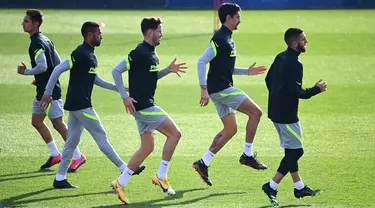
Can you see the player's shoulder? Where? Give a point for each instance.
(140, 50)
(219, 35)
(40, 39)
(79, 52)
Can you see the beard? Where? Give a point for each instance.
(301, 48)
(96, 42)
(157, 41)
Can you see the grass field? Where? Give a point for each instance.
(338, 125)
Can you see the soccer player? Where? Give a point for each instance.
(82, 64)
(221, 54)
(44, 58)
(142, 65)
(284, 83)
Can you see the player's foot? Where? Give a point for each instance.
(306, 191)
(139, 170)
(76, 164)
(252, 162)
(164, 184)
(51, 161)
(202, 169)
(270, 193)
(120, 191)
(63, 184)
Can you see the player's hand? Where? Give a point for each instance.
(176, 68)
(45, 101)
(322, 85)
(255, 70)
(21, 68)
(205, 99)
(128, 102)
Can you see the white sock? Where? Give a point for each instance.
(60, 177)
(125, 176)
(299, 185)
(123, 167)
(207, 157)
(77, 154)
(274, 185)
(53, 151)
(248, 149)
(163, 169)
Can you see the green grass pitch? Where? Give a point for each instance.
(338, 125)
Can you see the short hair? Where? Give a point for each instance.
(87, 27)
(35, 15)
(150, 23)
(228, 9)
(292, 34)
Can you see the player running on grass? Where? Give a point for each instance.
(44, 58)
(142, 65)
(82, 64)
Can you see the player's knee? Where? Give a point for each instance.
(148, 148)
(283, 167)
(299, 153)
(177, 134)
(58, 124)
(231, 130)
(256, 113)
(36, 124)
(104, 145)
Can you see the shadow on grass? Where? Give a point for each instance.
(288, 206)
(26, 175)
(167, 199)
(20, 201)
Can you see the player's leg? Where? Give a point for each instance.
(300, 189)
(147, 146)
(55, 113)
(37, 120)
(270, 188)
(254, 113)
(74, 133)
(230, 129)
(229, 121)
(173, 134)
(91, 122)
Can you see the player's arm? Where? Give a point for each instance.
(206, 57)
(164, 72)
(104, 84)
(120, 68)
(57, 71)
(56, 57)
(117, 71)
(41, 64)
(251, 71)
(295, 83)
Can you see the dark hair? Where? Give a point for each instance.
(292, 34)
(228, 9)
(87, 27)
(150, 23)
(35, 15)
